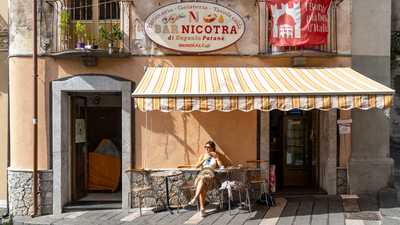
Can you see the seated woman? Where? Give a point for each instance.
(205, 180)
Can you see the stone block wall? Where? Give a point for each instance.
(20, 192)
(138, 180)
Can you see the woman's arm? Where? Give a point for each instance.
(200, 161)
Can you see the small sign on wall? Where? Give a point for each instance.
(80, 131)
(344, 126)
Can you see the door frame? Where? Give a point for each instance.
(61, 151)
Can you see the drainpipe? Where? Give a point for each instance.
(35, 111)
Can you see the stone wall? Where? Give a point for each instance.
(20, 192)
(139, 179)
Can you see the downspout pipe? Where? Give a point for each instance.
(35, 112)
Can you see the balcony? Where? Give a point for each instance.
(106, 28)
(87, 28)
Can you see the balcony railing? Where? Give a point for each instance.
(95, 27)
(92, 31)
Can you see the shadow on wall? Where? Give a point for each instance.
(166, 140)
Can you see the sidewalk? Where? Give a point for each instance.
(305, 210)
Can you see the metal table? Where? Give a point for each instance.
(166, 175)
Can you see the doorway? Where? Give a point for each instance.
(62, 92)
(294, 150)
(95, 150)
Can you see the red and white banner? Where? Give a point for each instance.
(298, 22)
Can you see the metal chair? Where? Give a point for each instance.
(261, 177)
(238, 184)
(186, 186)
(142, 191)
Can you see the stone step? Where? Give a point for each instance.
(84, 206)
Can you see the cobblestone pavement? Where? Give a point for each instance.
(306, 210)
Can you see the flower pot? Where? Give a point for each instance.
(80, 45)
(110, 48)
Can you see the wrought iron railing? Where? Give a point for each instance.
(93, 25)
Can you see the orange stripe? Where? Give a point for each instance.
(156, 103)
(203, 104)
(357, 101)
(281, 102)
(202, 81)
(311, 102)
(214, 81)
(234, 103)
(218, 103)
(270, 81)
(326, 102)
(255, 80)
(342, 102)
(371, 101)
(228, 81)
(161, 80)
(249, 103)
(174, 82)
(187, 104)
(171, 104)
(188, 80)
(140, 104)
(387, 101)
(242, 81)
(296, 102)
(146, 80)
(265, 104)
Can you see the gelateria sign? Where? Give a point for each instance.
(194, 27)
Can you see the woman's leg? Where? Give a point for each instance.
(202, 198)
(199, 187)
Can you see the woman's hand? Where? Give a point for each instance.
(213, 154)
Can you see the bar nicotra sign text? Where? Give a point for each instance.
(194, 27)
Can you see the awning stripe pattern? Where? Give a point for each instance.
(258, 88)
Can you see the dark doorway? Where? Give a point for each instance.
(95, 150)
(293, 149)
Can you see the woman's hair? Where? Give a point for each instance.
(212, 145)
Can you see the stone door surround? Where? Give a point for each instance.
(61, 135)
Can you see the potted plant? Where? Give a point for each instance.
(65, 22)
(80, 30)
(117, 34)
(111, 36)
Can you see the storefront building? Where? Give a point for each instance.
(191, 72)
(3, 105)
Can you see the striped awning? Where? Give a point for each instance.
(257, 88)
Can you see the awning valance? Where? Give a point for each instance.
(257, 88)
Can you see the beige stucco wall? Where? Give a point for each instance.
(183, 147)
(3, 124)
(3, 106)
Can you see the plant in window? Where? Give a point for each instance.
(111, 36)
(80, 30)
(65, 22)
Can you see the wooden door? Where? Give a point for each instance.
(297, 152)
(79, 153)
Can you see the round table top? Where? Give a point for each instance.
(170, 173)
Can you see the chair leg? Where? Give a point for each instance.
(229, 204)
(248, 199)
(140, 205)
(240, 198)
(265, 193)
